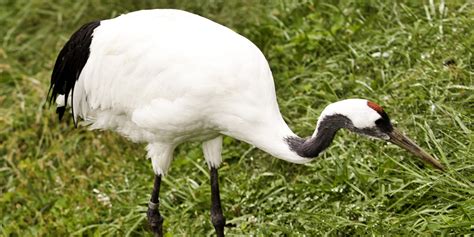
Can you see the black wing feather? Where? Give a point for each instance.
(69, 64)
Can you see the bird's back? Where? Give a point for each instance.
(173, 75)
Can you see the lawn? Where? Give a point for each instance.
(415, 58)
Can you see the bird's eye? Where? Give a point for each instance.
(384, 125)
(379, 121)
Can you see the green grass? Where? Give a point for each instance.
(319, 53)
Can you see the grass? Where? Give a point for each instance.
(413, 57)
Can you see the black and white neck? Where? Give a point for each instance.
(327, 128)
(356, 115)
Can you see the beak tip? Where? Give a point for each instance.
(440, 167)
(401, 140)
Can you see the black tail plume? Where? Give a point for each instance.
(69, 64)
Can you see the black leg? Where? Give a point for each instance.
(154, 218)
(217, 217)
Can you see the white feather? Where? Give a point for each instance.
(212, 152)
(60, 100)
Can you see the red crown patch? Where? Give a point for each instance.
(375, 106)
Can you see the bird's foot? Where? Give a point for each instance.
(155, 220)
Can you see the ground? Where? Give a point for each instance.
(412, 57)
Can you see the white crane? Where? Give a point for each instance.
(165, 77)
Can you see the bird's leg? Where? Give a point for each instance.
(217, 217)
(154, 218)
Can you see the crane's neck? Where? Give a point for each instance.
(277, 139)
(326, 129)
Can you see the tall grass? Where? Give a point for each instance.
(413, 57)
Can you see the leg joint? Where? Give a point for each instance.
(153, 205)
(217, 219)
(154, 218)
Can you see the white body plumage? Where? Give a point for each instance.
(168, 76)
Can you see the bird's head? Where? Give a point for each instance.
(366, 118)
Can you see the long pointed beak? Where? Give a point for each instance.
(397, 138)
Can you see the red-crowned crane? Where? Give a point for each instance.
(165, 77)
